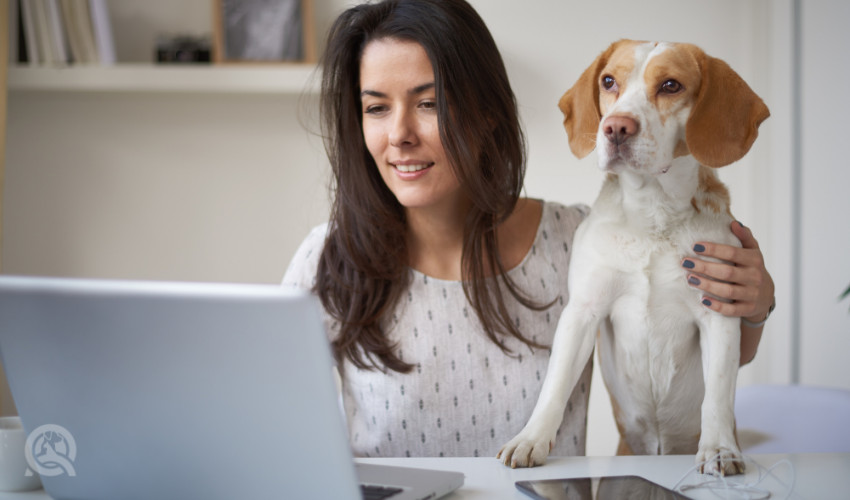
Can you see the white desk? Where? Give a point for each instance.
(818, 476)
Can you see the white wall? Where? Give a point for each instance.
(175, 186)
(222, 188)
(825, 180)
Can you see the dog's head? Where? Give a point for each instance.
(643, 104)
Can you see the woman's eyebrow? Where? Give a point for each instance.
(414, 91)
(421, 88)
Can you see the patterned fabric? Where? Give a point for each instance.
(465, 397)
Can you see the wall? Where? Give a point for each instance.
(223, 188)
(6, 403)
(174, 186)
(824, 179)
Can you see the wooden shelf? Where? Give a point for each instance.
(260, 79)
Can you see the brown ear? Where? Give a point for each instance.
(580, 106)
(726, 115)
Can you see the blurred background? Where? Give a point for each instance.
(220, 178)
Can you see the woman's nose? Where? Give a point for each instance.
(402, 132)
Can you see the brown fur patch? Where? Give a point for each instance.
(726, 114)
(620, 65)
(677, 64)
(713, 194)
(681, 149)
(623, 448)
(580, 104)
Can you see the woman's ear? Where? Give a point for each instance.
(726, 114)
(580, 106)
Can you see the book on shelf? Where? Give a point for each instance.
(62, 32)
(41, 31)
(56, 32)
(13, 23)
(102, 31)
(26, 33)
(80, 31)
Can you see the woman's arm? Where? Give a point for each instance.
(742, 282)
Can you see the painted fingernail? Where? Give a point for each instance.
(706, 302)
(699, 248)
(688, 264)
(693, 280)
(740, 224)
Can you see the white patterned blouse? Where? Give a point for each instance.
(465, 397)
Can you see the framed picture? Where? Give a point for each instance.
(272, 31)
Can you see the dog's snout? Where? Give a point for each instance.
(618, 129)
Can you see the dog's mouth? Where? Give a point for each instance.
(616, 158)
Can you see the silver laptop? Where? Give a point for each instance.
(175, 390)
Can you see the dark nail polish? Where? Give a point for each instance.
(739, 223)
(706, 302)
(693, 280)
(699, 248)
(688, 264)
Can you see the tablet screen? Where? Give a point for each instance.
(597, 488)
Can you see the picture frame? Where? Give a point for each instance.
(263, 31)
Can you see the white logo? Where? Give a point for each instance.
(51, 451)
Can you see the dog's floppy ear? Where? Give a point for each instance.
(726, 115)
(580, 106)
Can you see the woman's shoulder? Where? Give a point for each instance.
(301, 272)
(550, 256)
(562, 218)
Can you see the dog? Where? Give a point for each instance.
(662, 117)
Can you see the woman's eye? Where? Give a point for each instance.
(608, 82)
(428, 104)
(374, 109)
(671, 87)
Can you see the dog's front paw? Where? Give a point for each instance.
(720, 460)
(527, 449)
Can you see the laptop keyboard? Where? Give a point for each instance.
(376, 492)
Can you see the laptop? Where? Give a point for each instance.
(178, 390)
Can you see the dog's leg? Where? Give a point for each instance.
(720, 342)
(571, 349)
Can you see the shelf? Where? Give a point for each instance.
(260, 79)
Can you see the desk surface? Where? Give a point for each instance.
(814, 476)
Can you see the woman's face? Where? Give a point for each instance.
(400, 125)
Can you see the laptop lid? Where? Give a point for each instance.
(174, 390)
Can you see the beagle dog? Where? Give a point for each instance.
(662, 116)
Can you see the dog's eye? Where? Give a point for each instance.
(608, 82)
(671, 87)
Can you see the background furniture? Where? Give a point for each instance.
(792, 419)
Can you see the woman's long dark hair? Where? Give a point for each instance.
(363, 269)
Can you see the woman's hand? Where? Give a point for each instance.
(739, 286)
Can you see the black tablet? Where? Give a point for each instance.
(597, 488)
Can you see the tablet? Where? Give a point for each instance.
(596, 488)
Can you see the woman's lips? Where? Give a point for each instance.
(411, 170)
(412, 167)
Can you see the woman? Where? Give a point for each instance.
(442, 287)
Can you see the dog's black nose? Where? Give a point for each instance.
(618, 129)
